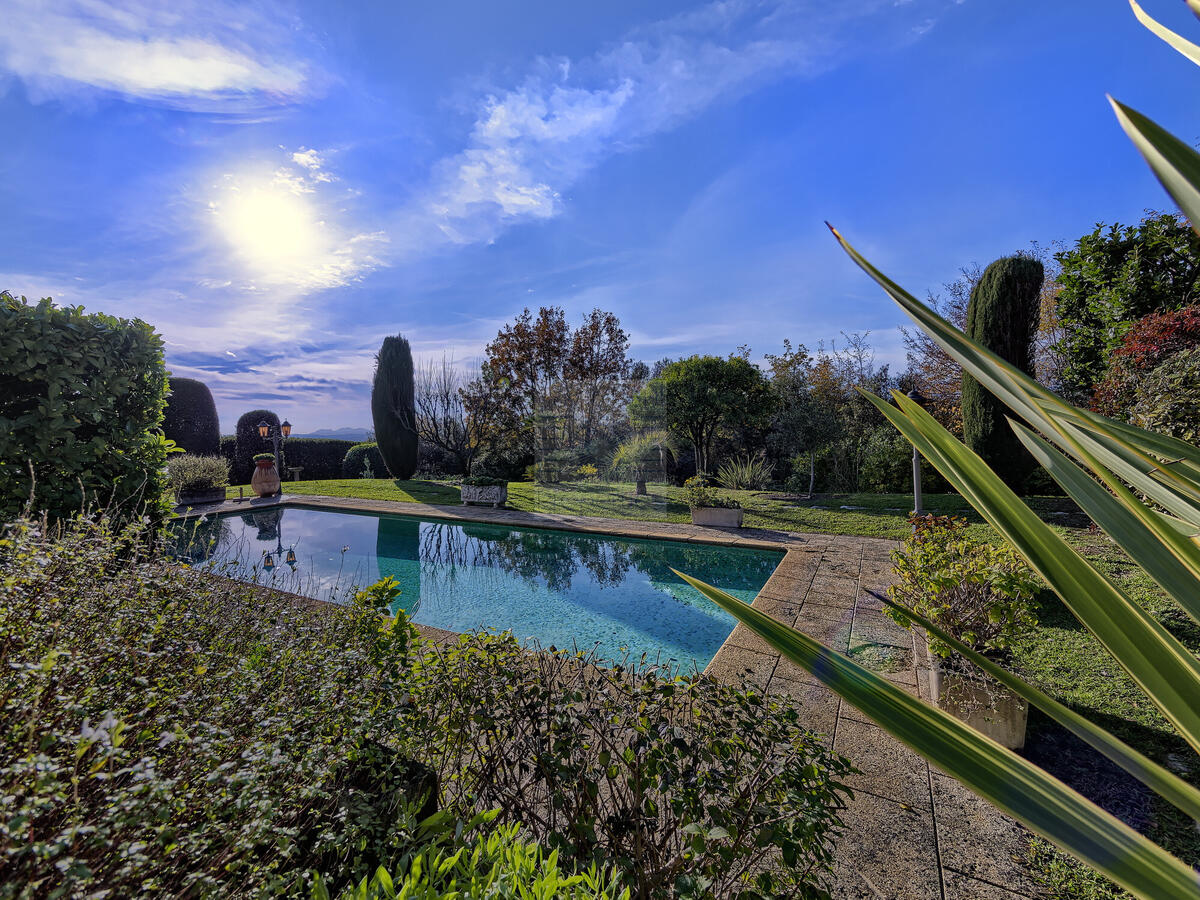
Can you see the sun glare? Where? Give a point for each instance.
(272, 228)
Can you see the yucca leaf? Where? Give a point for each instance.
(1176, 165)
(1139, 531)
(1184, 46)
(1194, 6)
(1162, 781)
(1019, 788)
(1154, 658)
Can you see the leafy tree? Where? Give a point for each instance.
(1002, 316)
(699, 396)
(190, 419)
(1110, 279)
(598, 366)
(392, 407)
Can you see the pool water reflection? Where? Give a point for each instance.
(560, 588)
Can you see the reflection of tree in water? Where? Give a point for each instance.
(195, 540)
(733, 570)
(546, 556)
(398, 555)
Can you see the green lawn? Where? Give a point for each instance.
(873, 515)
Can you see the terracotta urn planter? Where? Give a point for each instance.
(492, 494)
(717, 516)
(265, 481)
(988, 707)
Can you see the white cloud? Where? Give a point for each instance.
(209, 55)
(531, 143)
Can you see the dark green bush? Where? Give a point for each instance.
(321, 457)
(688, 787)
(174, 733)
(359, 457)
(483, 481)
(190, 419)
(248, 442)
(81, 402)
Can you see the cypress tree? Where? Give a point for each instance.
(392, 407)
(1002, 315)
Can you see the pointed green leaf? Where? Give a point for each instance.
(1154, 658)
(1186, 47)
(1019, 788)
(1164, 782)
(1176, 165)
(1166, 555)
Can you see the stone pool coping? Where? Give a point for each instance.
(912, 832)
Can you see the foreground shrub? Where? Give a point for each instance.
(980, 593)
(189, 473)
(168, 732)
(502, 863)
(190, 419)
(688, 787)
(81, 404)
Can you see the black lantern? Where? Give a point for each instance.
(291, 557)
(264, 430)
(286, 428)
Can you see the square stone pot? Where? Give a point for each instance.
(988, 707)
(491, 494)
(717, 517)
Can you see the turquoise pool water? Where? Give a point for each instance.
(560, 588)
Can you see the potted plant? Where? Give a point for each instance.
(197, 479)
(484, 489)
(709, 507)
(980, 594)
(265, 480)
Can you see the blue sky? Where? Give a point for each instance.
(276, 186)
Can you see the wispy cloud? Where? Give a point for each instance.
(190, 54)
(531, 143)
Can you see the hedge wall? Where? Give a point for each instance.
(320, 457)
(81, 399)
(190, 419)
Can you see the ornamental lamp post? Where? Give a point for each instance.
(276, 434)
(916, 397)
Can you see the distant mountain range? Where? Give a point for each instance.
(342, 434)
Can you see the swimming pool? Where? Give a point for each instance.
(560, 588)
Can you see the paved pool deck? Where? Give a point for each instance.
(912, 833)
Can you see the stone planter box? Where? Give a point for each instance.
(491, 494)
(717, 517)
(989, 708)
(196, 498)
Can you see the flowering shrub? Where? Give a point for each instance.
(979, 593)
(1147, 344)
(190, 473)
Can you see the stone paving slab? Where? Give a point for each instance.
(912, 833)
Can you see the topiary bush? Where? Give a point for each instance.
(190, 419)
(362, 456)
(393, 407)
(81, 404)
(248, 442)
(1002, 315)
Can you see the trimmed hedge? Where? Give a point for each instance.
(352, 463)
(81, 401)
(320, 457)
(190, 419)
